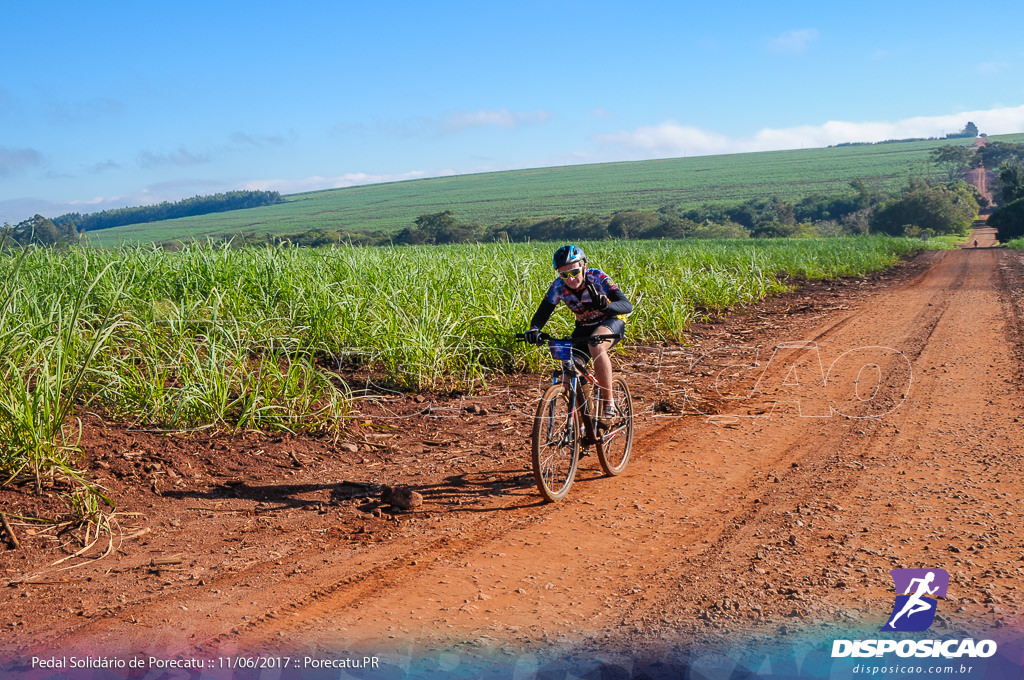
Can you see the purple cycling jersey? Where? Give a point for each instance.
(579, 302)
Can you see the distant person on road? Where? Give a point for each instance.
(975, 243)
(600, 308)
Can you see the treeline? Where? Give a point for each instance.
(969, 131)
(1008, 218)
(921, 209)
(996, 154)
(189, 207)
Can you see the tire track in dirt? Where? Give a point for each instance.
(353, 589)
(156, 623)
(826, 467)
(870, 503)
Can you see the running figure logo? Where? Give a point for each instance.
(914, 610)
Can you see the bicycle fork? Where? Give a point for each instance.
(581, 408)
(585, 413)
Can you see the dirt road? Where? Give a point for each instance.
(981, 237)
(798, 452)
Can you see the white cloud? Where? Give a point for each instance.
(182, 156)
(601, 113)
(16, 210)
(183, 184)
(992, 68)
(451, 122)
(246, 139)
(16, 161)
(671, 139)
(90, 203)
(19, 209)
(101, 167)
(456, 121)
(65, 112)
(793, 42)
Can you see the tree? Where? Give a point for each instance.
(948, 209)
(1008, 220)
(1011, 176)
(954, 159)
(633, 223)
(38, 229)
(994, 154)
(670, 226)
(440, 228)
(412, 237)
(857, 222)
(865, 198)
(970, 130)
(438, 225)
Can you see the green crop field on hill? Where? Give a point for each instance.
(500, 197)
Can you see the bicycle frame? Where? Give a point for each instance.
(565, 424)
(577, 374)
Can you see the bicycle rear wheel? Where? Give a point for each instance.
(614, 446)
(556, 444)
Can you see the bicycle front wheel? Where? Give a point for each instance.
(614, 446)
(556, 444)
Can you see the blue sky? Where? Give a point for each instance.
(111, 104)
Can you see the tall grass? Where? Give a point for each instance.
(251, 338)
(209, 317)
(42, 370)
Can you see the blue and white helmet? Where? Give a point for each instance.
(568, 254)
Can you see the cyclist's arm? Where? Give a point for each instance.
(617, 302)
(543, 313)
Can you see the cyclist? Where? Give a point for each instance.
(600, 308)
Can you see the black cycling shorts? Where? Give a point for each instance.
(580, 334)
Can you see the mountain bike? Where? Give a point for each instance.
(566, 424)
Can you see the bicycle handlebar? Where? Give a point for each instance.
(592, 340)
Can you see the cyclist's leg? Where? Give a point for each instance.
(603, 368)
(583, 348)
(602, 358)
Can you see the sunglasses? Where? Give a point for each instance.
(571, 273)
